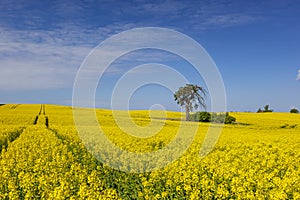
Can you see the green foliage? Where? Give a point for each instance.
(229, 119)
(294, 110)
(201, 117)
(218, 118)
(214, 117)
(266, 109)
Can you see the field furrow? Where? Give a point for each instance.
(8, 134)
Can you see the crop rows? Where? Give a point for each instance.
(8, 134)
(258, 158)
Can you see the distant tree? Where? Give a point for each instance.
(266, 108)
(191, 97)
(294, 110)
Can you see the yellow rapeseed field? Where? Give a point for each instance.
(43, 157)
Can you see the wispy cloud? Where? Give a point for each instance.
(42, 46)
(197, 15)
(31, 60)
(31, 76)
(227, 20)
(43, 59)
(30, 66)
(298, 77)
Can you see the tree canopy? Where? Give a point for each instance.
(191, 97)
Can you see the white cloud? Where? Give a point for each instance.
(227, 20)
(40, 59)
(40, 72)
(298, 77)
(31, 58)
(20, 75)
(27, 65)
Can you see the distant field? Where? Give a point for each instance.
(42, 157)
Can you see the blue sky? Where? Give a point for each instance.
(255, 45)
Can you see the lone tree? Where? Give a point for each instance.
(192, 97)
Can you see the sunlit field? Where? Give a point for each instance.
(43, 157)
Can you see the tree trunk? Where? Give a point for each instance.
(187, 114)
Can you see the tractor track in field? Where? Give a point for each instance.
(16, 134)
(43, 113)
(11, 138)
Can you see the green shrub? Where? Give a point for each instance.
(201, 117)
(294, 110)
(229, 119)
(218, 118)
(266, 109)
(214, 117)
